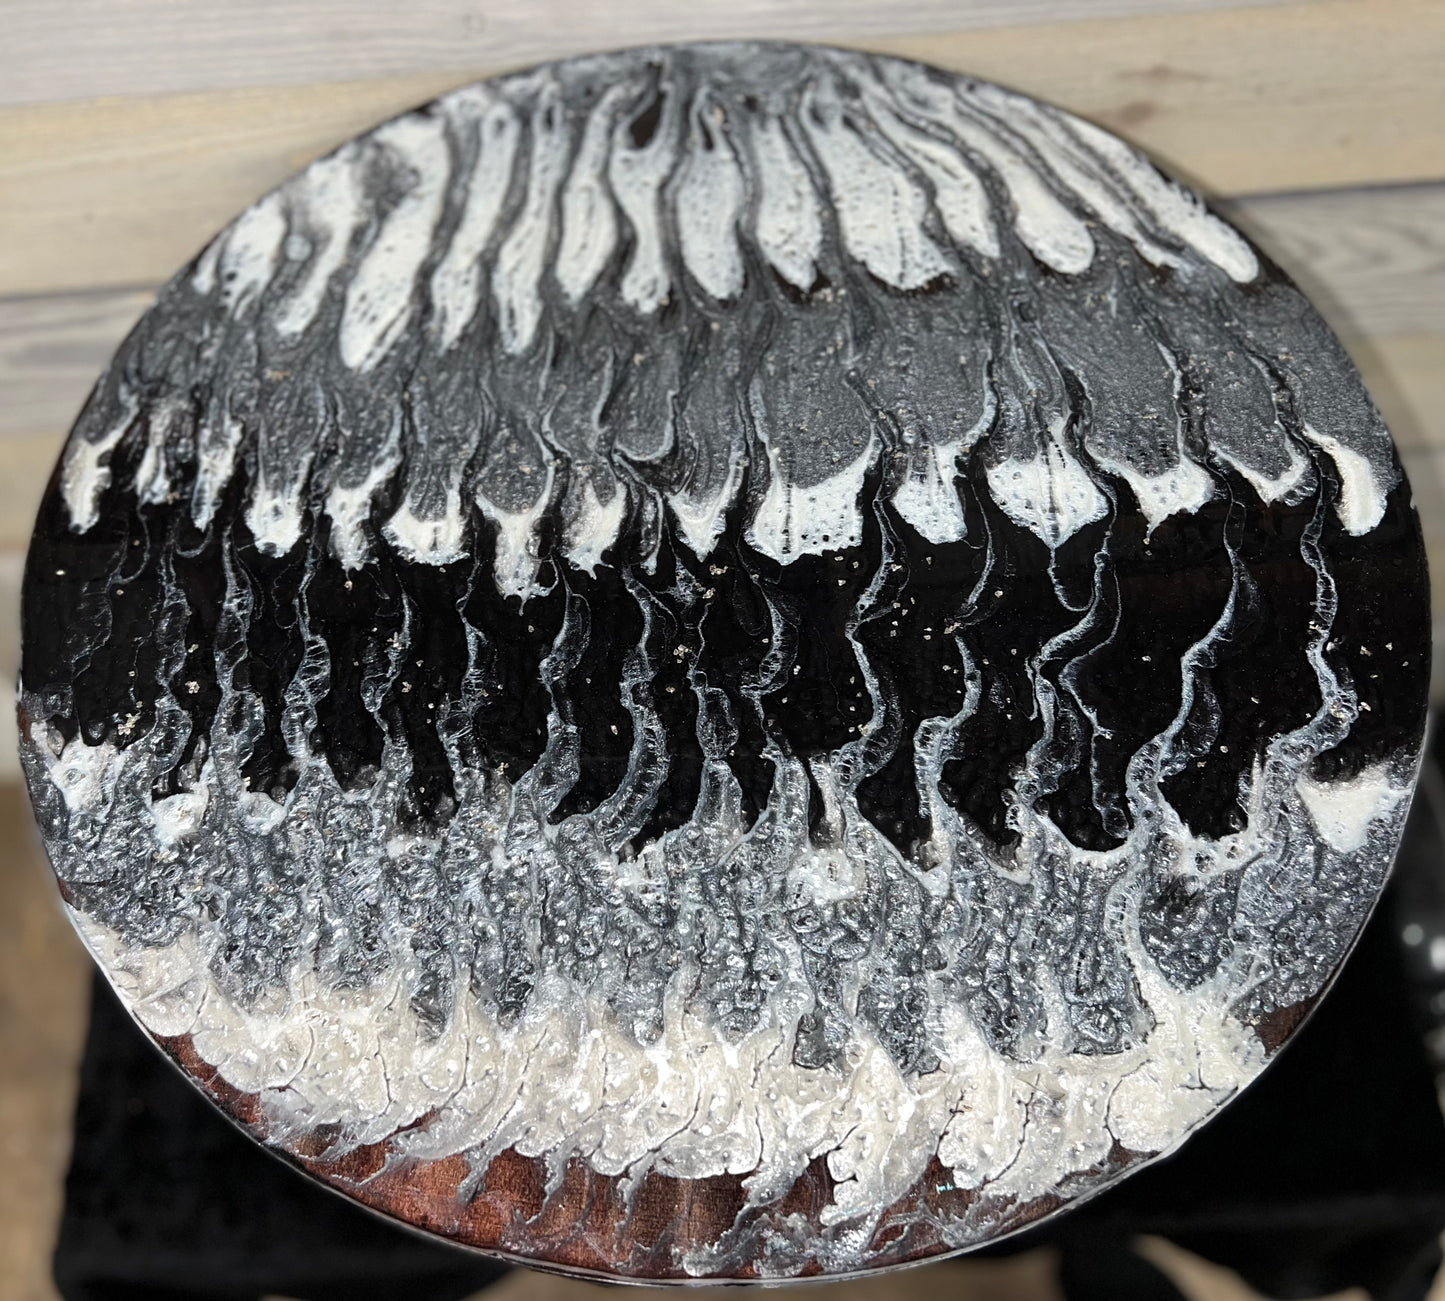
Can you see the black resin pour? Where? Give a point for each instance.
(770, 602)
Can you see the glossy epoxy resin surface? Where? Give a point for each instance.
(725, 661)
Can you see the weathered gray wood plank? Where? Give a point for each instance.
(1373, 260)
(51, 350)
(69, 49)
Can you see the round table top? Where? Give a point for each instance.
(725, 661)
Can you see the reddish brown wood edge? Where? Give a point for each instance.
(587, 1224)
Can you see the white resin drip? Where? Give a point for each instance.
(429, 541)
(1180, 490)
(248, 259)
(589, 217)
(958, 194)
(637, 177)
(1177, 210)
(709, 202)
(788, 227)
(595, 527)
(793, 521)
(1051, 495)
(701, 520)
(514, 570)
(327, 202)
(1047, 228)
(274, 514)
(203, 278)
(517, 277)
(1343, 812)
(178, 817)
(1270, 489)
(880, 210)
(456, 289)
(85, 472)
(1362, 496)
(379, 298)
(83, 774)
(928, 498)
(152, 480)
(1070, 164)
(216, 446)
(348, 504)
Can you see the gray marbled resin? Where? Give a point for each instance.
(705, 608)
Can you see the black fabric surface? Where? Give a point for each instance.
(1328, 1173)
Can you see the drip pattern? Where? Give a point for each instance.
(727, 613)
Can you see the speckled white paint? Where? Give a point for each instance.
(710, 198)
(1345, 812)
(1361, 505)
(327, 202)
(517, 277)
(1050, 494)
(379, 299)
(880, 209)
(793, 521)
(456, 289)
(789, 229)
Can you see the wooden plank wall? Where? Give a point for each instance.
(130, 130)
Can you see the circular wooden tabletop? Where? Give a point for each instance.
(725, 662)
